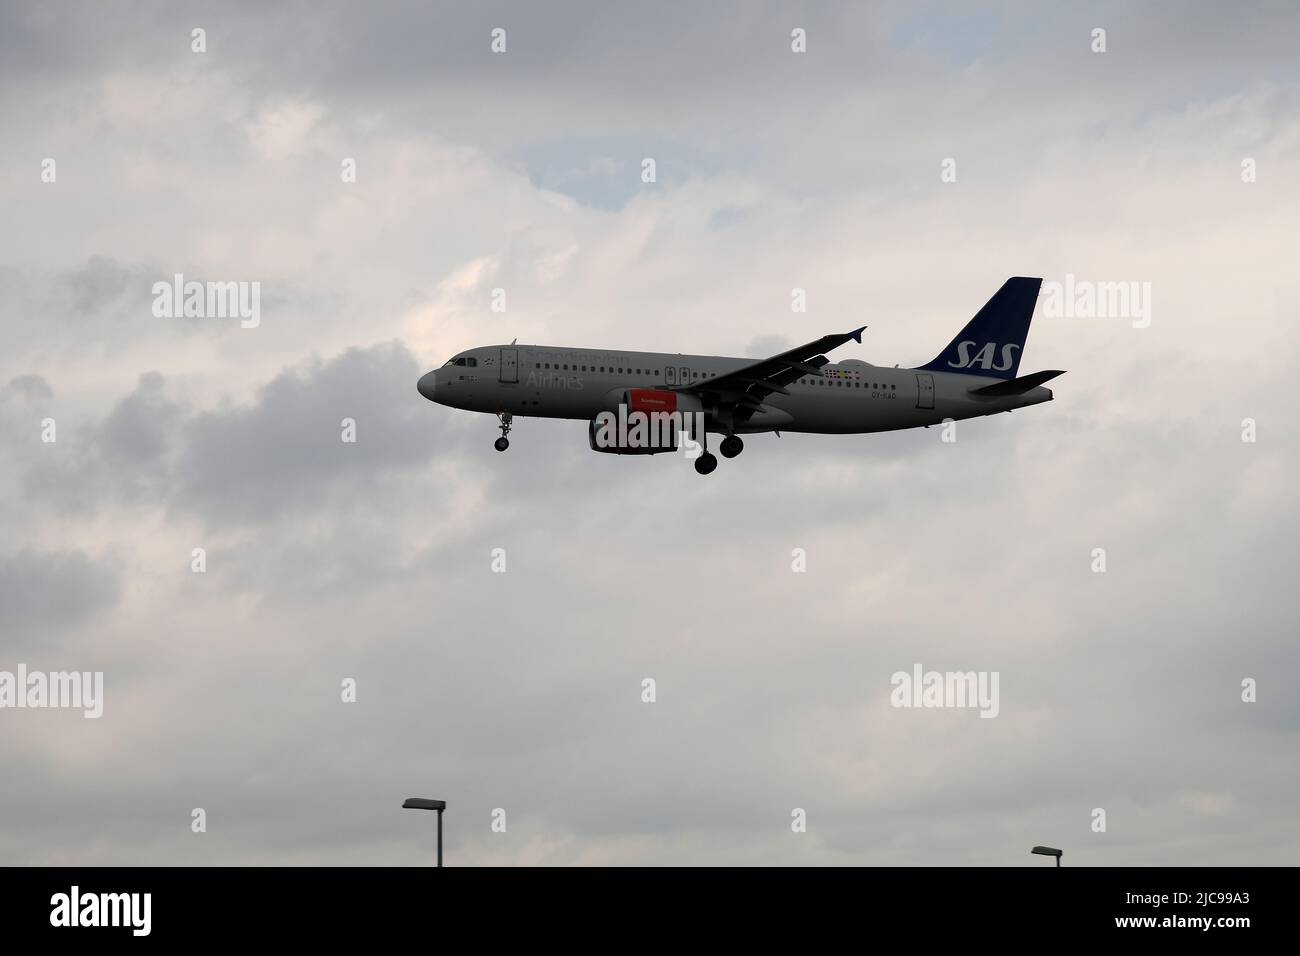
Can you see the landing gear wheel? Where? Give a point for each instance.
(731, 446)
(706, 463)
(503, 442)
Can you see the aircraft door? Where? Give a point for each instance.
(670, 376)
(925, 391)
(510, 365)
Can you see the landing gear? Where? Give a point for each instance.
(502, 443)
(731, 446)
(706, 462)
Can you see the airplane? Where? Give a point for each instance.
(799, 390)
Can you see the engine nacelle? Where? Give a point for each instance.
(651, 400)
(644, 421)
(598, 437)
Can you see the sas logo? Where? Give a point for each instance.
(984, 357)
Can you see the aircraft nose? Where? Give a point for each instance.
(427, 383)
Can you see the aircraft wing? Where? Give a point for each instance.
(745, 388)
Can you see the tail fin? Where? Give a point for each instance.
(992, 342)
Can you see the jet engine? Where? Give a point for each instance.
(644, 421)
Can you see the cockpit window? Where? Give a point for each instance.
(463, 362)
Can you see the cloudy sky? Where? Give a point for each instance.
(372, 561)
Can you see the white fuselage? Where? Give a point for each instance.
(846, 397)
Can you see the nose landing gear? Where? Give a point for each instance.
(502, 443)
(731, 446)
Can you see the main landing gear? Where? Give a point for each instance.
(731, 446)
(502, 443)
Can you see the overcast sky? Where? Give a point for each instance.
(372, 561)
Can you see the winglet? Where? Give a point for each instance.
(856, 335)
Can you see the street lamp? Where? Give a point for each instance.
(1048, 851)
(420, 803)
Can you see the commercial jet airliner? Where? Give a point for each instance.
(800, 390)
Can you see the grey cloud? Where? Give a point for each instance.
(122, 459)
(100, 307)
(53, 590)
(30, 387)
(270, 459)
(285, 452)
(137, 431)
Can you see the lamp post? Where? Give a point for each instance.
(421, 803)
(1048, 851)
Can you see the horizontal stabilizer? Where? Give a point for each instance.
(1016, 386)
